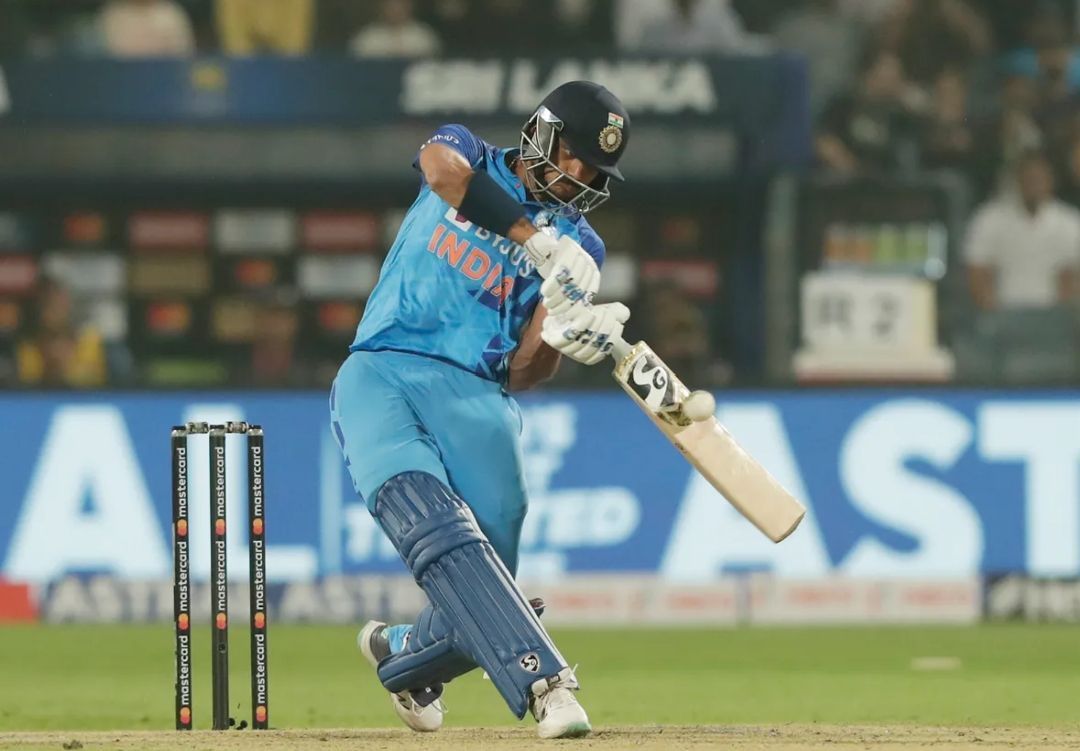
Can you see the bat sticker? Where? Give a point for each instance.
(651, 381)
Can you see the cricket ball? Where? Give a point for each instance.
(699, 406)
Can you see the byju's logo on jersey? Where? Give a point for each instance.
(491, 242)
(481, 256)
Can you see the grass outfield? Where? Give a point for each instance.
(68, 678)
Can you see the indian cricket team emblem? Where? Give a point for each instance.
(611, 136)
(531, 662)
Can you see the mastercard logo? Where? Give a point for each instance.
(219, 527)
(181, 528)
(257, 526)
(260, 620)
(183, 622)
(222, 620)
(260, 713)
(185, 715)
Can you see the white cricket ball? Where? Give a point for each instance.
(699, 406)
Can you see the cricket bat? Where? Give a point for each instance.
(689, 422)
(705, 443)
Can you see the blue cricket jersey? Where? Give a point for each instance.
(457, 292)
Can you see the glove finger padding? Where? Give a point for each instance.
(570, 286)
(606, 325)
(574, 278)
(551, 332)
(586, 333)
(618, 311)
(566, 334)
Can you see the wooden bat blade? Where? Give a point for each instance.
(708, 446)
(740, 479)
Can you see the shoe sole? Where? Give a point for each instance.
(403, 715)
(575, 730)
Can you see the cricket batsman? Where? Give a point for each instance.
(422, 409)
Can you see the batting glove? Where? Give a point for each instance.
(587, 333)
(571, 276)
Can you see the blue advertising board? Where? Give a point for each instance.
(904, 484)
(762, 100)
(756, 92)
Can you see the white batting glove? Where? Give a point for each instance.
(571, 276)
(586, 333)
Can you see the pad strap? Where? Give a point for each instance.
(429, 657)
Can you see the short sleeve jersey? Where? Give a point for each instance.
(457, 292)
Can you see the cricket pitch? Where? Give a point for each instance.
(643, 738)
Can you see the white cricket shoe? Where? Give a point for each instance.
(556, 709)
(423, 718)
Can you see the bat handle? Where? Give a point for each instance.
(620, 348)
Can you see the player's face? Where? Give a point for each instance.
(572, 166)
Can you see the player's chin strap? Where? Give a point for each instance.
(539, 141)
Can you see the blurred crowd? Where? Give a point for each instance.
(985, 89)
(382, 28)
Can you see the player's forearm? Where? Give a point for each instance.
(531, 368)
(452, 179)
(447, 172)
(534, 361)
(522, 230)
(539, 366)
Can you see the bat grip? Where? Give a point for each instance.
(620, 348)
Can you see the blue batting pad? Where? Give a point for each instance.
(428, 658)
(490, 620)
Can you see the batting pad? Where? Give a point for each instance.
(490, 620)
(430, 656)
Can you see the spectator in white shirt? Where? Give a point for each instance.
(1023, 250)
(146, 28)
(396, 33)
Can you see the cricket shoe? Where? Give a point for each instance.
(421, 710)
(556, 709)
